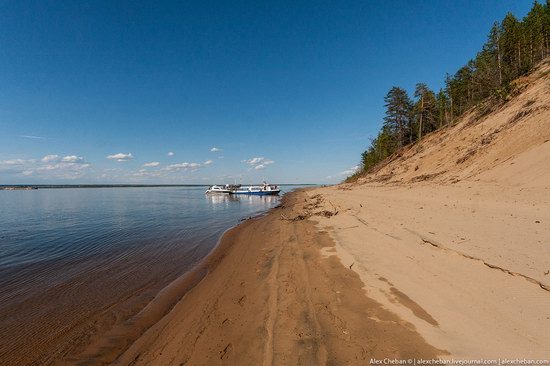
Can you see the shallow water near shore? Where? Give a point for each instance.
(75, 262)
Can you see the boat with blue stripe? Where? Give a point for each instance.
(263, 190)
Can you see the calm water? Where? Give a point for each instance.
(70, 255)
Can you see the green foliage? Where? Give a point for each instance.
(512, 49)
(380, 148)
(398, 112)
(424, 112)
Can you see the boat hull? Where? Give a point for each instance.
(258, 193)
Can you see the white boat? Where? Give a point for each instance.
(218, 190)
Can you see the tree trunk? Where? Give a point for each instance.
(519, 59)
(451, 109)
(499, 64)
(421, 113)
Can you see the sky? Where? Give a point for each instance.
(207, 92)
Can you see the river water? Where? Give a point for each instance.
(76, 261)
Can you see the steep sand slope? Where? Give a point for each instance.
(460, 226)
(477, 144)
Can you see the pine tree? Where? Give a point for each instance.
(398, 110)
(534, 29)
(494, 48)
(442, 108)
(424, 109)
(512, 43)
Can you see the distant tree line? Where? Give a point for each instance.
(512, 49)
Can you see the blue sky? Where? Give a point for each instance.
(287, 91)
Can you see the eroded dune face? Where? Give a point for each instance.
(508, 144)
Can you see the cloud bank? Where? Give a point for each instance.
(51, 166)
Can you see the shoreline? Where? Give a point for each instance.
(107, 347)
(269, 297)
(73, 332)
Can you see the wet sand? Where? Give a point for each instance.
(275, 294)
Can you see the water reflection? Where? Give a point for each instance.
(256, 203)
(218, 199)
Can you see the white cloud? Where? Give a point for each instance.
(176, 167)
(13, 162)
(49, 167)
(152, 164)
(185, 166)
(71, 159)
(253, 161)
(259, 163)
(66, 159)
(215, 149)
(170, 153)
(34, 137)
(208, 162)
(121, 157)
(349, 171)
(50, 158)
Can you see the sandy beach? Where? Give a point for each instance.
(475, 259)
(276, 293)
(336, 276)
